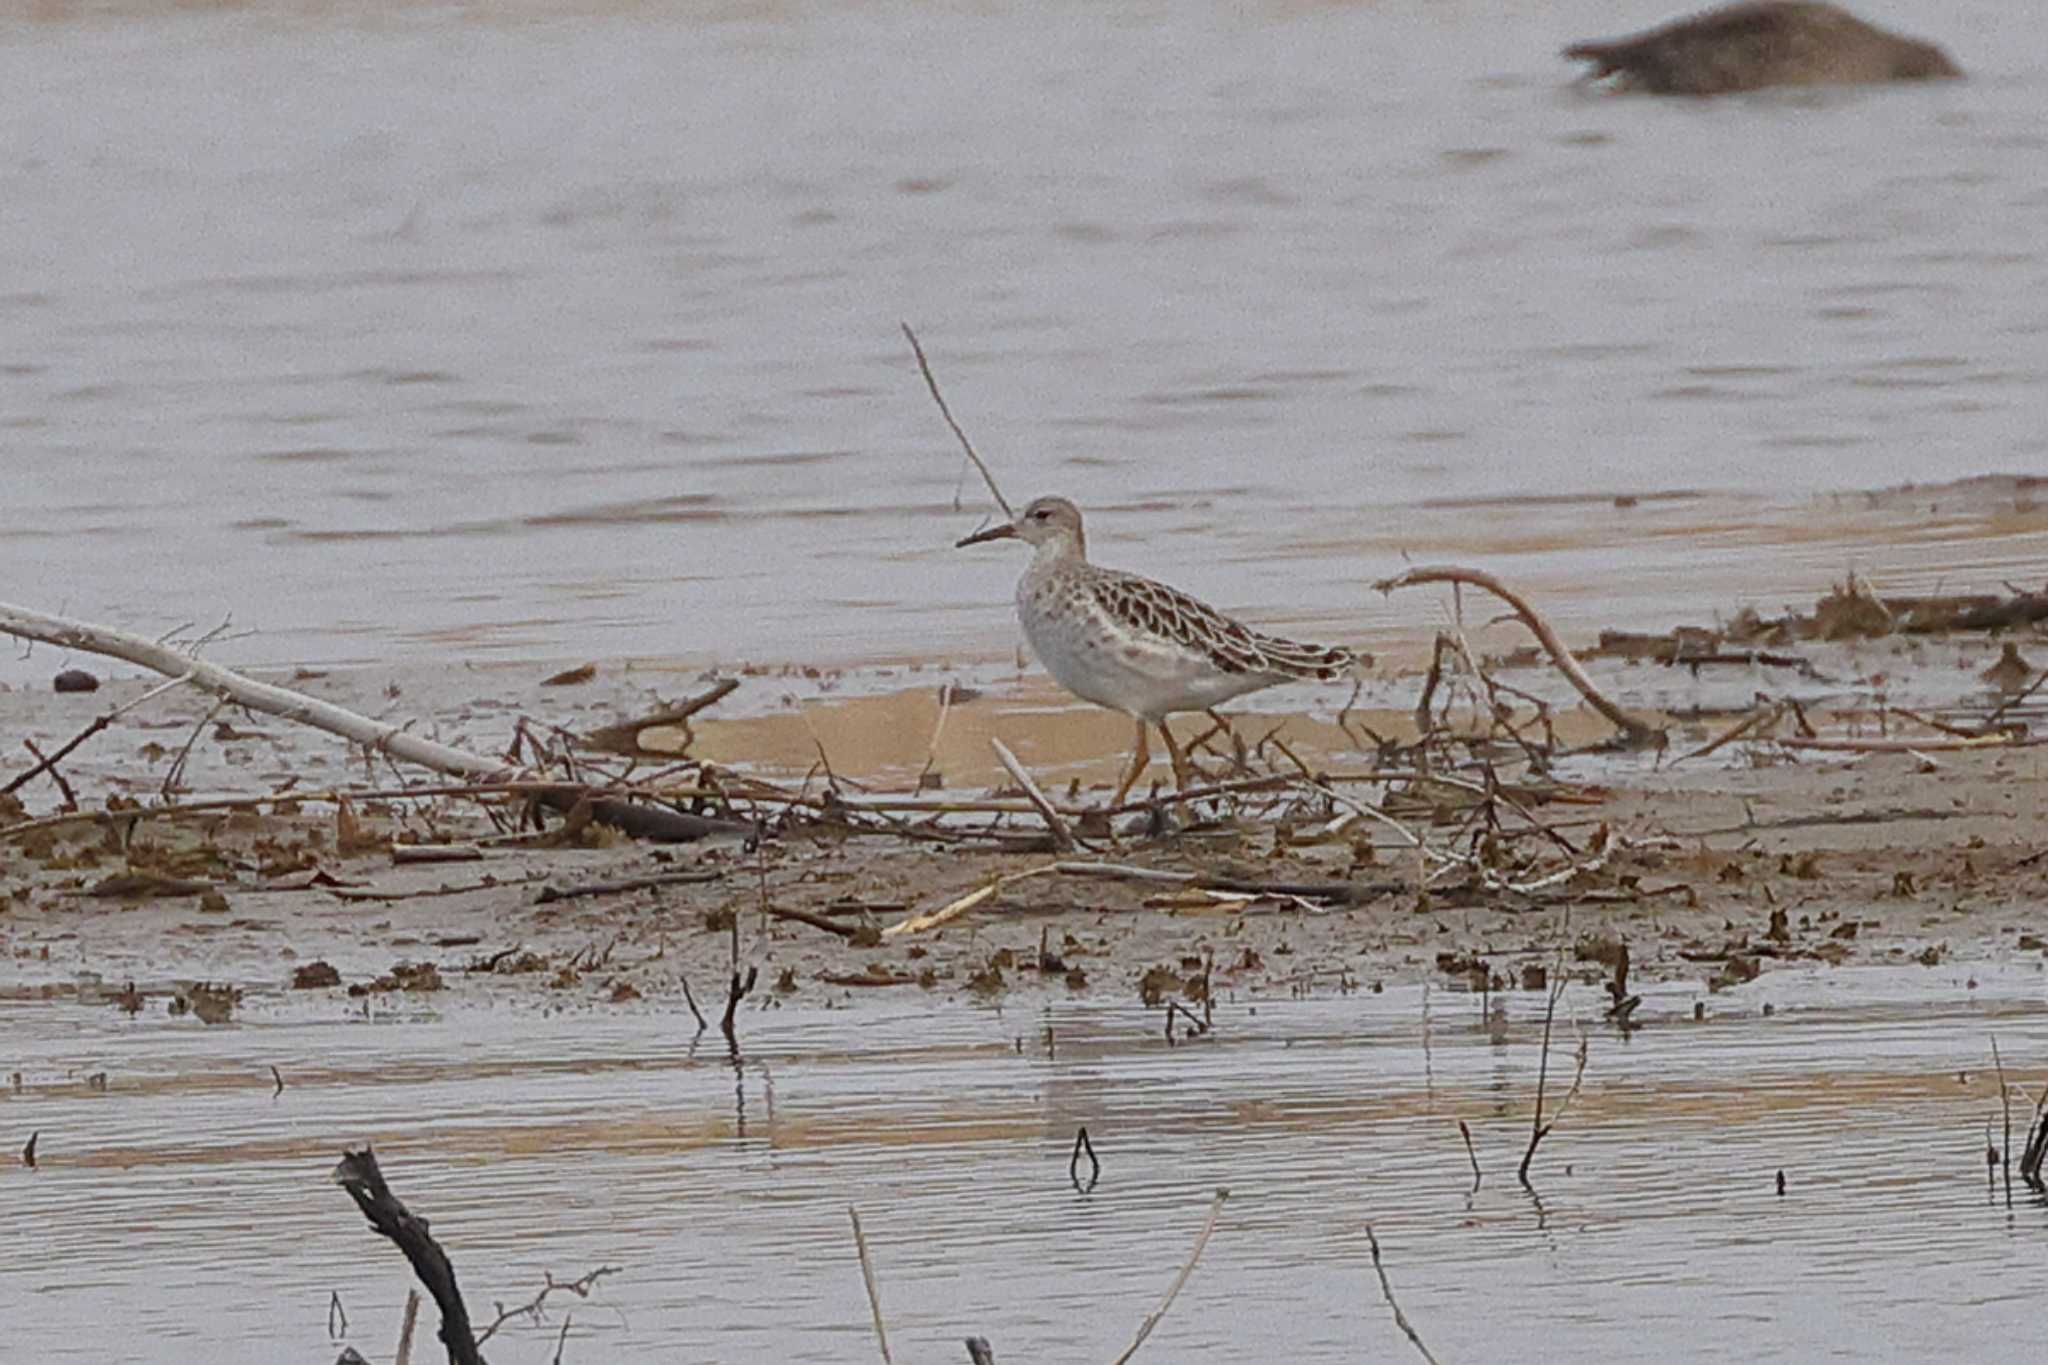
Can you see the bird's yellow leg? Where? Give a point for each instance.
(1183, 774)
(1140, 756)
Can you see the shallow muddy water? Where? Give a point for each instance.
(569, 329)
(184, 1214)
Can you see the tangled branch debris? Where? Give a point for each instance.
(1635, 732)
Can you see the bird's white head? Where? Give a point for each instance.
(1053, 525)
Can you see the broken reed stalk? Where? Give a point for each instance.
(406, 1326)
(1062, 837)
(931, 750)
(925, 368)
(1634, 731)
(867, 1273)
(1471, 1154)
(357, 1173)
(1400, 1318)
(1153, 1318)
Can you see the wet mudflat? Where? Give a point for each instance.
(184, 1214)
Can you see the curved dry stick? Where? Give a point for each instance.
(1634, 731)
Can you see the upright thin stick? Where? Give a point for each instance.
(1538, 1129)
(1400, 1318)
(867, 1272)
(1152, 1319)
(1473, 1155)
(406, 1326)
(2004, 1104)
(924, 366)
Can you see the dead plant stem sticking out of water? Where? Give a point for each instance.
(1387, 1288)
(867, 1274)
(1538, 1129)
(2005, 1107)
(1153, 1318)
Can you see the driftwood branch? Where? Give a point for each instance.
(377, 736)
(358, 1174)
(1636, 732)
(624, 736)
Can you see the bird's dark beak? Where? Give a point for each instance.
(1002, 530)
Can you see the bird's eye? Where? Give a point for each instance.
(1040, 515)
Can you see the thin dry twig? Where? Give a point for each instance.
(1153, 1319)
(531, 1309)
(1400, 1318)
(925, 368)
(1062, 837)
(98, 724)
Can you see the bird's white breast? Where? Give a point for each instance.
(1101, 660)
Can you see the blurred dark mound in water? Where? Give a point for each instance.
(1762, 43)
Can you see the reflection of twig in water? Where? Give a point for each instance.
(1400, 1318)
(1152, 1319)
(867, 1273)
(1196, 1027)
(1082, 1144)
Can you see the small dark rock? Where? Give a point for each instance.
(314, 975)
(76, 680)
